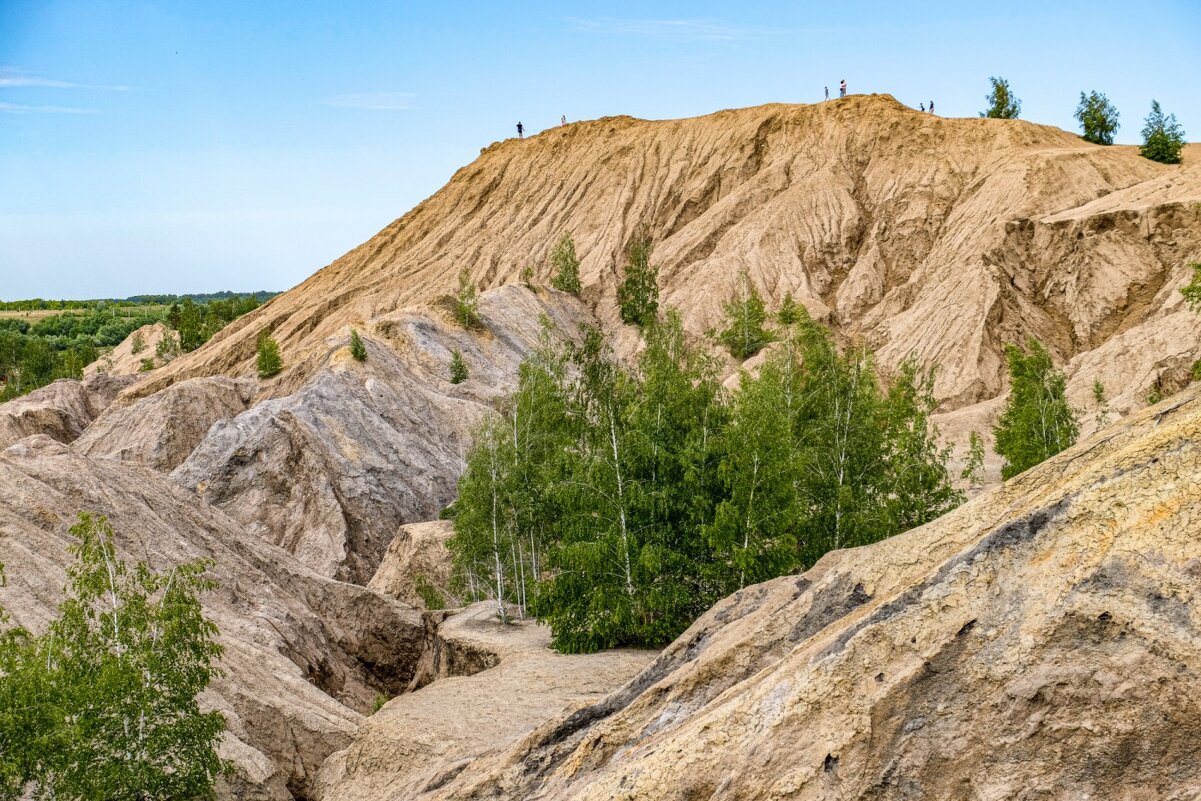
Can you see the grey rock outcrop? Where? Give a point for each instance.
(329, 471)
(61, 410)
(160, 430)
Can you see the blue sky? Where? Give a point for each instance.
(199, 146)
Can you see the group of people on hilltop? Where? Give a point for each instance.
(842, 92)
(521, 128)
(842, 89)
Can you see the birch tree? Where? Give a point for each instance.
(1037, 421)
(103, 705)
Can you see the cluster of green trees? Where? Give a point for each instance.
(32, 354)
(1163, 136)
(618, 504)
(35, 352)
(102, 705)
(125, 305)
(196, 323)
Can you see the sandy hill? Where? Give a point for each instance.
(944, 237)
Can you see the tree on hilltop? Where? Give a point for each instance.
(1163, 138)
(1003, 104)
(1098, 118)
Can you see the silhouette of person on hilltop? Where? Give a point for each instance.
(520, 131)
(563, 120)
(922, 106)
(842, 88)
(931, 106)
(827, 93)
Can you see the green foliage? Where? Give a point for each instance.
(1163, 137)
(789, 313)
(269, 362)
(458, 367)
(638, 294)
(527, 278)
(1002, 103)
(618, 504)
(103, 705)
(745, 334)
(973, 465)
(1192, 292)
(1098, 118)
(466, 303)
(566, 266)
(34, 353)
(127, 306)
(1155, 391)
(168, 347)
(146, 365)
(357, 349)
(430, 595)
(1102, 404)
(1037, 421)
(137, 344)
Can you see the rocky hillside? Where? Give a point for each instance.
(1039, 626)
(1042, 641)
(944, 237)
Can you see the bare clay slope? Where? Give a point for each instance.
(1043, 641)
(947, 237)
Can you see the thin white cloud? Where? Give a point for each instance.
(17, 108)
(373, 101)
(680, 30)
(13, 78)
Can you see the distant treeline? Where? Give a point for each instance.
(40, 304)
(35, 352)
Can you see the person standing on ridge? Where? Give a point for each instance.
(842, 88)
(520, 130)
(827, 93)
(922, 106)
(563, 120)
(931, 106)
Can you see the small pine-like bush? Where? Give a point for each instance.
(789, 313)
(1163, 138)
(745, 334)
(467, 302)
(357, 349)
(458, 367)
(638, 295)
(566, 265)
(1037, 421)
(269, 362)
